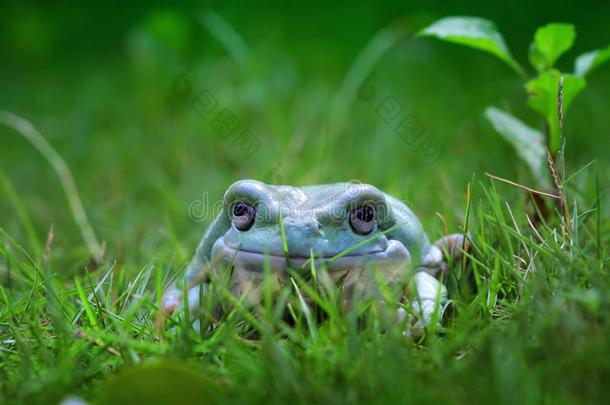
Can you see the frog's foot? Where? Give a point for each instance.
(428, 306)
(431, 298)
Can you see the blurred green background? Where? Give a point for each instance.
(110, 85)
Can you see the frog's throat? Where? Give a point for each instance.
(395, 255)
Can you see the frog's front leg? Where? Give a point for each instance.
(431, 294)
(198, 269)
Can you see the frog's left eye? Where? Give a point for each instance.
(243, 215)
(362, 220)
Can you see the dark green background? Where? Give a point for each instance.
(96, 79)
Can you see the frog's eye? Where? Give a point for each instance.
(243, 215)
(362, 220)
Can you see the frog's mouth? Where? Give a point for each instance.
(395, 254)
(249, 265)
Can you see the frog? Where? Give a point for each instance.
(352, 230)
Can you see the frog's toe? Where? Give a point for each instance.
(171, 301)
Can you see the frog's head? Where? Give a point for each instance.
(346, 226)
(349, 228)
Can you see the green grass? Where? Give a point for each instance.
(530, 314)
(528, 323)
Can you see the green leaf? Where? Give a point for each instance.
(543, 92)
(474, 32)
(528, 142)
(550, 42)
(586, 62)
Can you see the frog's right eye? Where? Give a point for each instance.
(243, 215)
(362, 220)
